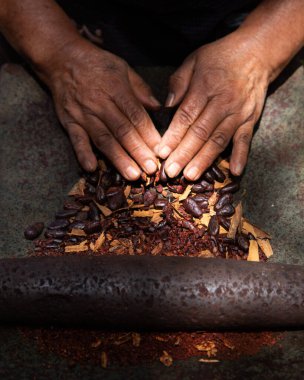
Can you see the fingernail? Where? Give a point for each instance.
(132, 173)
(238, 169)
(192, 173)
(90, 166)
(154, 101)
(150, 166)
(170, 99)
(156, 148)
(164, 152)
(173, 170)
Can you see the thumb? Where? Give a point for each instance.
(179, 83)
(142, 91)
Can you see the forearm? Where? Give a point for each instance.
(277, 27)
(37, 29)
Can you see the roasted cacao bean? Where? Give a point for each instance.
(85, 199)
(58, 224)
(78, 224)
(209, 176)
(231, 187)
(63, 214)
(213, 226)
(223, 200)
(55, 234)
(224, 222)
(200, 198)
(93, 213)
(33, 231)
(192, 208)
(162, 174)
(116, 198)
(218, 174)
(160, 203)
(243, 242)
(179, 189)
(92, 228)
(226, 210)
(202, 187)
(100, 194)
(93, 178)
(149, 197)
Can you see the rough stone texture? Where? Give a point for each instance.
(37, 162)
(38, 167)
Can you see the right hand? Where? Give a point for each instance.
(99, 97)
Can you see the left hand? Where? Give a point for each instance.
(222, 87)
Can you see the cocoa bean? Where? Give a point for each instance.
(93, 213)
(58, 224)
(223, 200)
(231, 187)
(100, 194)
(209, 176)
(149, 197)
(218, 174)
(243, 242)
(92, 227)
(202, 187)
(162, 174)
(226, 210)
(160, 203)
(224, 222)
(116, 198)
(192, 208)
(55, 234)
(213, 226)
(63, 214)
(33, 231)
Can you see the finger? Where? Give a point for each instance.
(142, 91)
(138, 118)
(196, 136)
(123, 131)
(108, 145)
(179, 83)
(185, 116)
(217, 142)
(241, 146)
(81, 144)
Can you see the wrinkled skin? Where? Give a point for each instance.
(99, 97)
(222, 88)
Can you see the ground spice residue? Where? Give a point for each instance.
(130, 348)
(105, 214)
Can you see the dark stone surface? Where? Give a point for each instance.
(38, 168)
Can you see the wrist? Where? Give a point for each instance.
(57, 58)
(256, 53)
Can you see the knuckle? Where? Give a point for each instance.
(175, 138)
(77, 140)
(186, 115)
(122, 131)
(220, 139)
(175, 79)
(101, 137)
(136, 115)
(136, 150)
(185, 154)
(200, 130)
(244, 138)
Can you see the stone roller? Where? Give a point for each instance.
(155, 293)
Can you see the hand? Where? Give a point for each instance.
(98, 96)
(222, 87)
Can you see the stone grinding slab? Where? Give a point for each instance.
(38, 167)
